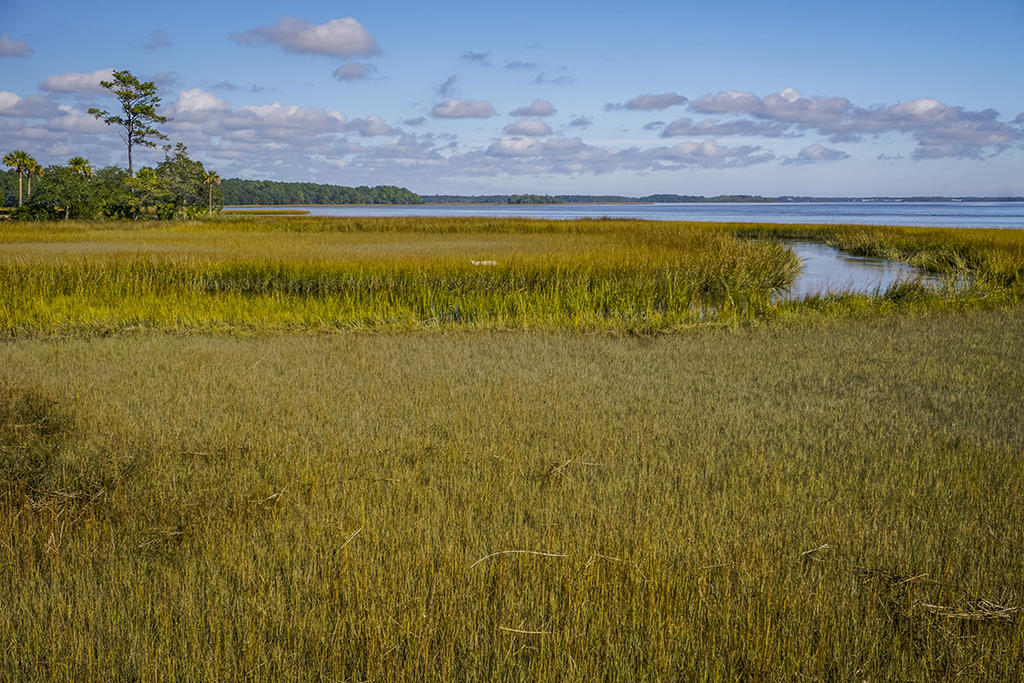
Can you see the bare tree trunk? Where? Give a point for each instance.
(19, 187)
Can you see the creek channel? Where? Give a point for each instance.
(830, 270)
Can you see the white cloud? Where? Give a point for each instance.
(649, 102)
(290, 118)
(816, 153)
(83, 83)
(710, 154)
(787, 105)
(371, 126)
(538, 107)
(529, 127)
(195, 100)
(514, 147)
(31, 107)
(14, 48)
(519, 155)
(940, 130)
(463, 109)
(72, 120)
(344, 37)
(354, 71)
(712, 127)
(581, 122)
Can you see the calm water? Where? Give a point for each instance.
(937, 214)
(827, 269)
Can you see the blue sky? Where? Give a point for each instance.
(818, 98)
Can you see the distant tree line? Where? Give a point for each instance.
(271, 192)
(492, 199)
(588, 199)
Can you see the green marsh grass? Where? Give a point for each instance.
(829, 501)
(404, 273)
(288, 272)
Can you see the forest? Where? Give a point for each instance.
(269, 192)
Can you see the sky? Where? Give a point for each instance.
(731, 97)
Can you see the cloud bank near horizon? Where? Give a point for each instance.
(276, 139)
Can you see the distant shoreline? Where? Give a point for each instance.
(824, 200)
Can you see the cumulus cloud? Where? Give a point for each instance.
(712, 127)
(14, 48)
(344, 37)
(710, 154)
(370, 126)
(481, 58)
(816, 153)
(294, 116)
(537, 108)
(354, 71)
(72, 120)
(787, 106)
(453, 108)
(418, 121)
(581, 122)
(157, 39)
(940, 130)
(515, 147)
(31, 107)
(649, 102)
(1020, 118)
(195, 100)
(654, 125)
(521, 155)
(516, 64)
(528, 127)
(81, 83)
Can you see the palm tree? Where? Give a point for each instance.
(21, 162)
(35, 172)
(80, 165)
(211, 178)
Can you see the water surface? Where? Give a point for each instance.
(934, 214)
(829, 270)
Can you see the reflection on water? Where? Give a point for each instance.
(827, 269)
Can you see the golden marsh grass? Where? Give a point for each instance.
(833, 501)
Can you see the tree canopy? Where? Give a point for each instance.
(23, 164)
(139, 102)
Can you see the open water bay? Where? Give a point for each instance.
(935, 214)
